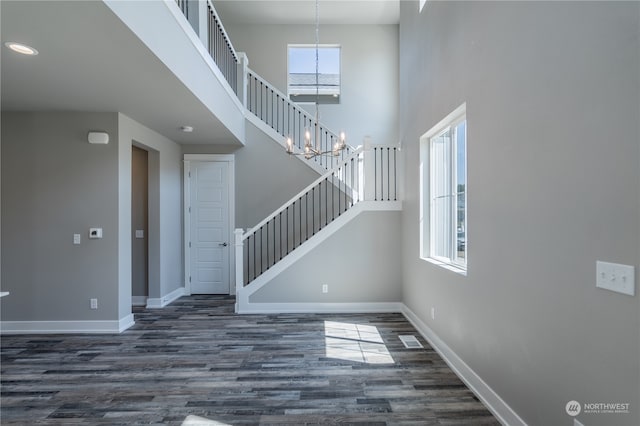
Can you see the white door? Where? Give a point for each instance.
(209, 243)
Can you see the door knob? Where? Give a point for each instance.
(223, 244)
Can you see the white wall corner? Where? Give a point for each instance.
(155, 303)
(125, 323)
(498, 407)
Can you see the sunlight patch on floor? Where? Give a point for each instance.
(201, 421)
(355, 342)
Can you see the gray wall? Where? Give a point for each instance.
(553, 106)
(343, 262)
(54, 185)
(0, 214)
(266, 177)
(369, 93)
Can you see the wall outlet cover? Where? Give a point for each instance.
(615, 277)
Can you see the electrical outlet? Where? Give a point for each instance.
(615, 277)
(325, 288)
(433, 313)
(94, 303)
(76, 238)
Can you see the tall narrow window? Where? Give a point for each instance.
(444, 191)
(302, 73)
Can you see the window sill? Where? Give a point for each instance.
(448, 266)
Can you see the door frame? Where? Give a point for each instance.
(214, 158)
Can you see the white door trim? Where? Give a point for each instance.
(230, 160)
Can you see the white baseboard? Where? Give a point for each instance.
(139, 300)
(126, 323)
(319, 308)
(505, 414)
(154, 303)
(67, 327)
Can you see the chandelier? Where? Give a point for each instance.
(312, 146)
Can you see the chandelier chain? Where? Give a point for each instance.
(313, 148)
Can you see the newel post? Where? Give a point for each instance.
(239, 259)
(369, 169)
(242, 74)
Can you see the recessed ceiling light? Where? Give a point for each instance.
(21, 48)
(186, 129)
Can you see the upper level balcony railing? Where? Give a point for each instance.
(218, 43)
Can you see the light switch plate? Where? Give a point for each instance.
(76, 238)
(615, 277)
(139, 233)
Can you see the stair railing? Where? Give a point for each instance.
(368, 174)
(312, 209)
(384, 173)
(220, 47)
(289, 119)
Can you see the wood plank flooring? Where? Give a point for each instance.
(196, 358)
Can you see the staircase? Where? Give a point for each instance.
(354, 180)
(365, 180)
(298, 220)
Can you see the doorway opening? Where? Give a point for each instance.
(139, 226)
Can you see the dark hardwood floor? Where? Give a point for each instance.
(196, 358)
